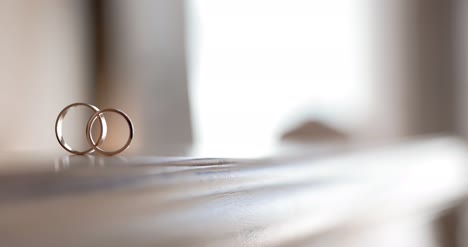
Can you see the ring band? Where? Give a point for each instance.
(59, 129)
(95, 145)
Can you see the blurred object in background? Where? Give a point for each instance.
(460, 50)
(313, 131)
(415, 68)
(311, 135)
(142, 69)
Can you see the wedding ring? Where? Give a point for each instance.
(59, 129)
(95, 144)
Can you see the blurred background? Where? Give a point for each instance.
(234, 78)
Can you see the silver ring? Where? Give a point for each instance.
(59, 130)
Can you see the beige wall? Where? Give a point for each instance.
(42, 68)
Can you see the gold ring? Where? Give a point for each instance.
(59, 131)
(95, 144)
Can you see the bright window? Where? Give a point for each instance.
(258, 66)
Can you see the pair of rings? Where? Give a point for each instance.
(95, 144)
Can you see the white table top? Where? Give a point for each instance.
(153, 201)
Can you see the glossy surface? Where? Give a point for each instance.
(151, 201)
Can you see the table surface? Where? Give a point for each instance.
(153, 201)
